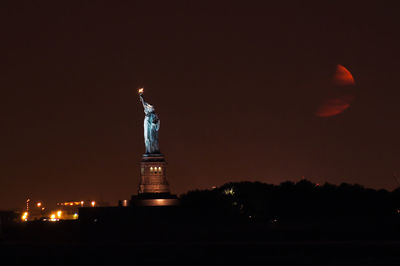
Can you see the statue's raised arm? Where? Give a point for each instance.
(142, 100)
(151, 126)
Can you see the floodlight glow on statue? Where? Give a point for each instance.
(151, 126)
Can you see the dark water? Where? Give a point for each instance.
(162, 241)
(211, 253)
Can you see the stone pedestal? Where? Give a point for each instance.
(153, 185)
(153, 174)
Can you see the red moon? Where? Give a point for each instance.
(342, 100)
(343, 77)
(334, 106)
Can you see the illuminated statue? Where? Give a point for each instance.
(151, 127)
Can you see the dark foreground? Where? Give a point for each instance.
(189, 236)
(162, 240)
(202, 253)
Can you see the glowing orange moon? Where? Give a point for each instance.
(334, 106)
(342, 100)
(343, 77)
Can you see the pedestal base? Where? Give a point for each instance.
(153, 178)
(153, 186)
(154, 199)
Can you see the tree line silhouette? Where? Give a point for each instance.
(259, 201)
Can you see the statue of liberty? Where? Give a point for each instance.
(151, 126)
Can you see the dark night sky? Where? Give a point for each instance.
(236, 87)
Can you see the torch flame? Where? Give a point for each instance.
(140, 91)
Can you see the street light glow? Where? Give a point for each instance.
(24, 216)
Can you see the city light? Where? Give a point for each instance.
(24, 216)
(59, 213)
(27, 204)
(53, 218)
(229, 191)
(93, 203)
(39, 204)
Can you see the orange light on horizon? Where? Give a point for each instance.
(24, 216)
(39, 204)
(93, 203)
